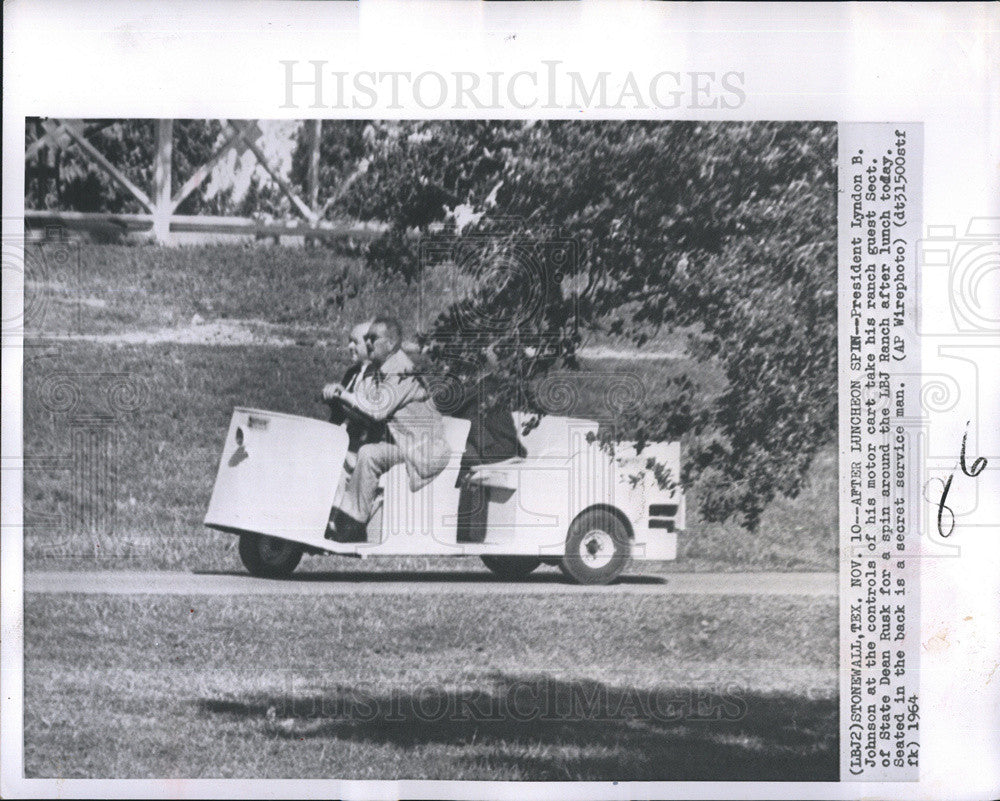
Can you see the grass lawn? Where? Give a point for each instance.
(373, 686)
(100, 289)
(307, 294)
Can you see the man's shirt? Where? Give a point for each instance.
(392, 393)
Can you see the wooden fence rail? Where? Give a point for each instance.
(180, 223)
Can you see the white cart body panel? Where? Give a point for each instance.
(278, 475)
(288, 472)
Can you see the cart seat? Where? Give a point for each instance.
(498, 475)
(554, 437)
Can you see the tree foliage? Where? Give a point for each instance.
(725, 231)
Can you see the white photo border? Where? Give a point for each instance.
(934, 64)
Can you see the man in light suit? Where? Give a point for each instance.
(389, 392)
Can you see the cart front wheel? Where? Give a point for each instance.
(269, 557)
(511, 567)
(597, 548)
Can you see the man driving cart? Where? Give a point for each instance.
(388, 393)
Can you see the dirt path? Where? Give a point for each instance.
(400, 583)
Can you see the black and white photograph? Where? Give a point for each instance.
(494, 450)
(455, 399)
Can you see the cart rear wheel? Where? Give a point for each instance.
(597, 548)
(511, 567)
(269, 557)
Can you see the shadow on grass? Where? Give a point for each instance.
(427, 577)
(541, 728)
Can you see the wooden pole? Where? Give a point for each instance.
(163, 206)
(312, 178)
(315, 129)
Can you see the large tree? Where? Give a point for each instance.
(725, 231)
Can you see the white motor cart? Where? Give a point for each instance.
(568, 502)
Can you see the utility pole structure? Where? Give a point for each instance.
(163, 207)
(315, 129)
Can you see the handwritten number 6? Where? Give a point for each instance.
(977, 466)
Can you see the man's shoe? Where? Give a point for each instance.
(345, 528)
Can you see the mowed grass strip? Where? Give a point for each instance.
(161, 443)
(445, 687)
(82, 288)
(114, 289)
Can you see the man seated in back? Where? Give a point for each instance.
(492, 438)
(388, 392)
